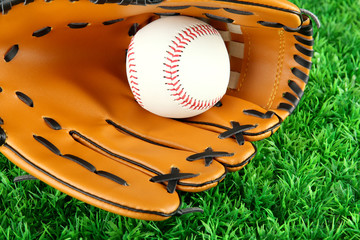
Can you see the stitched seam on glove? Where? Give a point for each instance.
(84, 192)
(279, 69)
(247, 60)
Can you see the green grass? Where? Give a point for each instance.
(304, 183)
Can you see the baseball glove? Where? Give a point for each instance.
(68, 117)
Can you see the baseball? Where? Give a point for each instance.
(177, 67)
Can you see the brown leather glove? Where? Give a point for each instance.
(67, 115)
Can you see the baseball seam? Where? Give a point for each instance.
(171, 64)
(133, 79)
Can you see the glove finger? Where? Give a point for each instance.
(178, 135)
(151, 158)
(92, 178)
(254, 122)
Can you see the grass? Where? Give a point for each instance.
(304, 183)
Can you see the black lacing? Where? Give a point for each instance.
(293, 98)
(87, 165)
(24, 178)
(172, 178)
(181, 212)
(52, 123)
(256, 113)
(2, 136)
(208, 155)
(42, 32)
(236, 131)
(312, 16)
(25, 98)
(128, 2)
(11, 53)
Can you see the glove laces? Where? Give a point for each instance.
(312, 16)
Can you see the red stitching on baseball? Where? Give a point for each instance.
(132, 73)
(188, 34)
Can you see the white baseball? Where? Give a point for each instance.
(177, 67)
